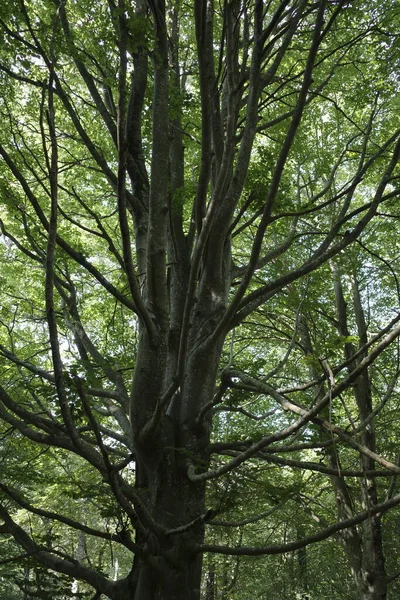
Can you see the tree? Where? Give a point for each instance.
(178, 181)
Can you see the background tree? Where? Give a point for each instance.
(178, 183)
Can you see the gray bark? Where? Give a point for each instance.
(364, 548)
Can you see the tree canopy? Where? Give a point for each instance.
(199, 301)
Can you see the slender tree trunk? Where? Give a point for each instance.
(369, 568)
(210, 580)
(363, 548)
(302, 565)
(27, 584)
(79, 555)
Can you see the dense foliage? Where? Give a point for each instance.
(199, 301)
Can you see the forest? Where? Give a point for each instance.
(199, 300)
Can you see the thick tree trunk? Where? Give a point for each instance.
(370, 586)
(171, 568)
(180, 582)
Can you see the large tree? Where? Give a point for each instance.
(189, 193)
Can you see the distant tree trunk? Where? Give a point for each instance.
(116, 568)
(364, 549)
(302, 564)
(210, 581)
(27, 583)
(79, 555)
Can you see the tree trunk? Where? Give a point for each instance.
(174, 569)
(369, 567)
(363, 548)
(79, 555)
(302, 563)
(171, 568)
(210, 581)
(370, 586)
